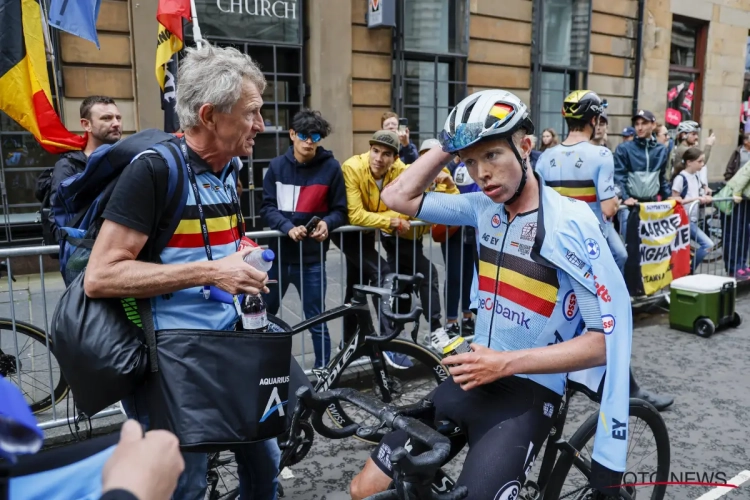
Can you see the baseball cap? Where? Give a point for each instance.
(428, 144)
(385, 138)
(646, 115)
(628, 131)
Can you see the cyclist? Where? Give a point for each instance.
(544, 266)
(581, 170)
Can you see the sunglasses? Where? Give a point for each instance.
(313, 137)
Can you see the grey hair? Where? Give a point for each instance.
(213, 75)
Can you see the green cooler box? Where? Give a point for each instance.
(703, 303)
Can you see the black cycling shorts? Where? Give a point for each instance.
(505, 424)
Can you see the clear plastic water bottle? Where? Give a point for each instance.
(260, 259)
(254, 317)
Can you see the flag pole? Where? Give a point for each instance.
(196, 27)
(51, 56)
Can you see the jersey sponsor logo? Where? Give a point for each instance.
(601, 291)
(608, 322)
(509, 491)
(592, 248)
(604, 152)
(492, 240)
(575, 260)
(588, 273)
(579, 163)
(519, 318)
(570, 305)
(274, 404)
(558, 339)
(619, 429)
(524, 249)
(384, 455)
(548, 410)
(521, 281)
(528, 231)
(496, 221)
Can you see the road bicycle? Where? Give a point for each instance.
(566, 465)
(26, 360)
(360, 363)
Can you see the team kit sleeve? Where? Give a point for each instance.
(449, 209)
(605, 182)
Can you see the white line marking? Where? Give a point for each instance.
(720, 491)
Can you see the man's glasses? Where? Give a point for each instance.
(313, 137)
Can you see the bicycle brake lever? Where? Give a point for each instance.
(456, 493)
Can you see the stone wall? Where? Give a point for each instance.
(729, 22)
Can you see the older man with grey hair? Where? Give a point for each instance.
(218, 104)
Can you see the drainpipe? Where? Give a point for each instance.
(638, 55)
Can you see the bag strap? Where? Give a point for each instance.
(147, 323)
(684, 189)
(176, 185)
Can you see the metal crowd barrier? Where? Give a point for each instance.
(33, 298)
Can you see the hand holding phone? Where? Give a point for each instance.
(312, 225)
(403, 124)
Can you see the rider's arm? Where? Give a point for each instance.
(585, 351)
(405, 194)
(605, 185)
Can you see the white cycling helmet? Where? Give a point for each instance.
(688, 126)
(487, 114)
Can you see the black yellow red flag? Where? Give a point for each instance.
(169, 38)
(24, 80)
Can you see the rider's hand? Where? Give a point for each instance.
(233, 275)
(321, 231)
(711, 140)
(630, 202)
(146, 466)
(298, 233)
(480, 367)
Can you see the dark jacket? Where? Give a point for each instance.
(68, 165)
(734, 164)
(294, 193)
(408, 153)
(533, 157)
(641, 155)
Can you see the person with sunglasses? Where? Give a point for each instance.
(303, 183)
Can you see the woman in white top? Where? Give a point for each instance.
(689, 189)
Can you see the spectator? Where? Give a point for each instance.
(737, 225)
(662, 137)
(739, 158)
(303, 183)
(407, 151)
(549, 139)
(689, 189)
(218, 104)
(641, 166)
(366, 175)
(628, 134)
(535, 153)
(600, 133)
(688, 133)
(101, 120)
(458, 255)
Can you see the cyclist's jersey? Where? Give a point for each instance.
(522, 304)
(582, 171)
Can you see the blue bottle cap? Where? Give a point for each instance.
(268, 255)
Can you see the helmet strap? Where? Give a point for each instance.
(521, 162)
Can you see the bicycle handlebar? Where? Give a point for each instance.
(421, 468)
(399, 283)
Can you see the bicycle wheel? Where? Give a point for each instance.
(221, 477)
(406, 385)
(568, 482)
(26, 361)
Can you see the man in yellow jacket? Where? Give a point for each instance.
(365, 176)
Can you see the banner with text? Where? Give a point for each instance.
(658, 238)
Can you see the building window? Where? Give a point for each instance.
(561, 31)
(686, 62)
(430, 63)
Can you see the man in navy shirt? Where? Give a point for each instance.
(303, 183)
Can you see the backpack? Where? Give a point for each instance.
(82, 198)
(684, 190)
(42, 192)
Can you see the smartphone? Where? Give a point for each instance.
(312, 225)
(403, 124)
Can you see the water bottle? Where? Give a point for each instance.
(254, 317)
(459, 345)
(260, 259)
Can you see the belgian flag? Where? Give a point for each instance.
(24, 81)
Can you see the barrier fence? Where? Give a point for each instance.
(27, 305)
